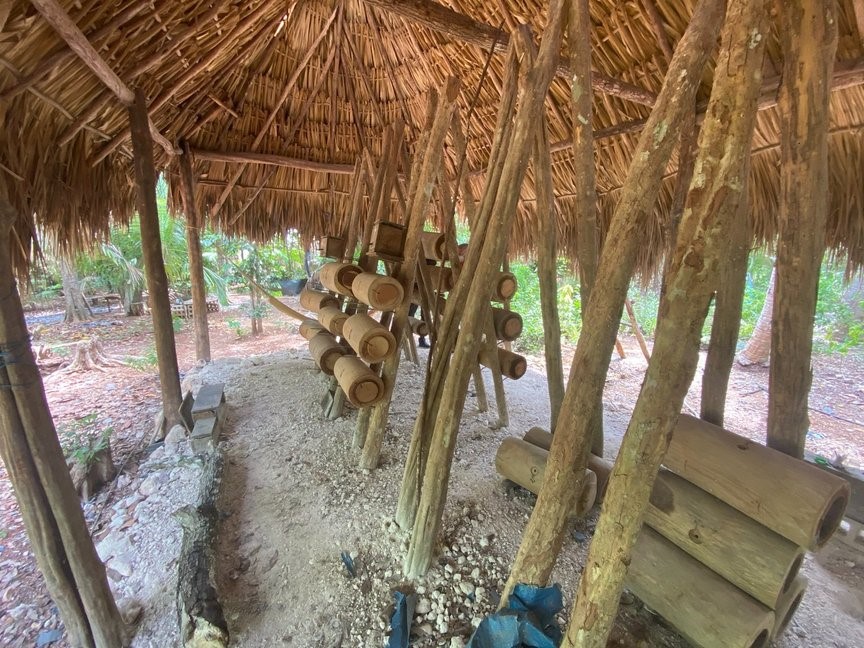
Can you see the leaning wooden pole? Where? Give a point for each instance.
(194, 225)
(584, 181)
(728, 301)
(49, 504)
(424, 185)
(154, 265)
(712, 211)
(436, 476)
(808, 35)
(547, 269)
(571, 444)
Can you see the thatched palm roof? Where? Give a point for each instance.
(317, 80)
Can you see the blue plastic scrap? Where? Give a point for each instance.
(528, 621)
(400, 622)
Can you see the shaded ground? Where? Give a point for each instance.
(292, 479)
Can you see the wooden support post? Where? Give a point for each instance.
(571, 444)
(728, 300)
(480, 388)
(482, 276)
(808, 36)
(634, 324)
(584, 181)
(154, 265)
(547, 268)
(50, 508)
(194, 225)
(711, 211)
(490, 342)
(419, 203)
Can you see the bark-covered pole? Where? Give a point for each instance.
(571, 445)
(49, 504)
(728, 300)
(547, 269)
(194, 225)
(584, 181)
(433, 493)
(712, 211)
(154, 265)
(808, 35)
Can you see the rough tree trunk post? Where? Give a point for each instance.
(436, 475)
(584, 182)
(711, 213)
(77, 309)
(728, 300)
(423, 184)
(571, 445)
(194, 225)
(758, 347)
(49, 504)
(547, 269)
(151, 245)
(808, 35)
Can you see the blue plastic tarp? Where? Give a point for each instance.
(528, 621)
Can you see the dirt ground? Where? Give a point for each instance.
(293, 500)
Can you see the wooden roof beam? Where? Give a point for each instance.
(858, 8)
(464, 28)
(251, 157)
(66, 28)
(656, 21)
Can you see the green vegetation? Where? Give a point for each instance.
(82, 439)
(839, 312)
(144, 363)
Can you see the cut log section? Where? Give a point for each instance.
(508, 325)
(338, 277)
(332, 319)
(360, 384)
(326, 351)
(512, 364)
(525, 464)
(505, 287)
(434, 246)
(708, 610)
(807, 509)
(787, 606)
(372, 341)
(315, 300)
(599, 466)
(378, 291)
(309, 328)
(758, 561)
(418, 326)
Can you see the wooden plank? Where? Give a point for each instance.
(208, 401)
(252, 157)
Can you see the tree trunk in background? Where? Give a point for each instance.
(705, 238)
(154, 265)
(194, 225)
(758, 347)
(76, 306)
(571, 445)
(584, 181)
(808, 35)
(50, 507)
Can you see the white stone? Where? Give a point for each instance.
(467, 588)
(423, 606)
(175, 435)
(456, 642)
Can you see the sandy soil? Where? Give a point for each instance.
(293, 501)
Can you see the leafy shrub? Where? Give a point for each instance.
(82, 440)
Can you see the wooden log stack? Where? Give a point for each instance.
(719, 520)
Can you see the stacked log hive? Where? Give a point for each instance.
(525, 464)
(361, 385)
(378, 291)
(315, 300)
(418, 326)
(508, 325)
(737, 514)
(326, 351)
(434, 246)
(309, 328)
(332, 319)
(339, 277)
(602, 468)
(372, 341)
(505, 287)
(512, 364)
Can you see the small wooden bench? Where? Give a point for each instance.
(207, 413)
